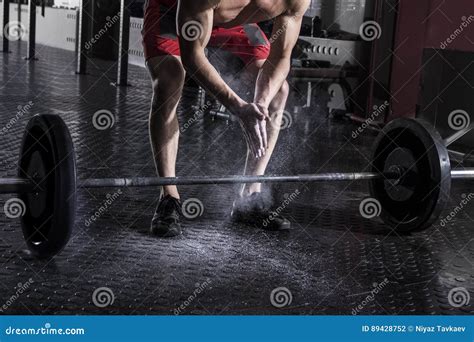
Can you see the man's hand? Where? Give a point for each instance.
(253, 119)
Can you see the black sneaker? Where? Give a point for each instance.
(255, 210)
(165, 222)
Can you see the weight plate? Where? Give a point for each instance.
(417, 148)
(47, 157)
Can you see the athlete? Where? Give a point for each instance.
(175, 36)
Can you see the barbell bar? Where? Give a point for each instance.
(162, 181)
(409, 179)
(462, 174)
(23, 185)
(16, 185)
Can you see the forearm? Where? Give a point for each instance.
(207, 76)
(270, 81)
(286, 29)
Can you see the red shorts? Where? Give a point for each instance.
(248, 42)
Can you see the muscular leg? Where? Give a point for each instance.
(167, 74)
(256, 167)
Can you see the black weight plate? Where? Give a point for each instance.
(47, 157)
(418, 148)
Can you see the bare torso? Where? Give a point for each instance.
(230, 13)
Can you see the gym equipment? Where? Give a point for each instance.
(47, 187)
(415, 147)
(410, 179)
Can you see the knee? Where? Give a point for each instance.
(284, 90)
(167, 86)
(279, 101)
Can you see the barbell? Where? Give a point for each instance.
(409, 177)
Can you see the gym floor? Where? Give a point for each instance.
(331, 263)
